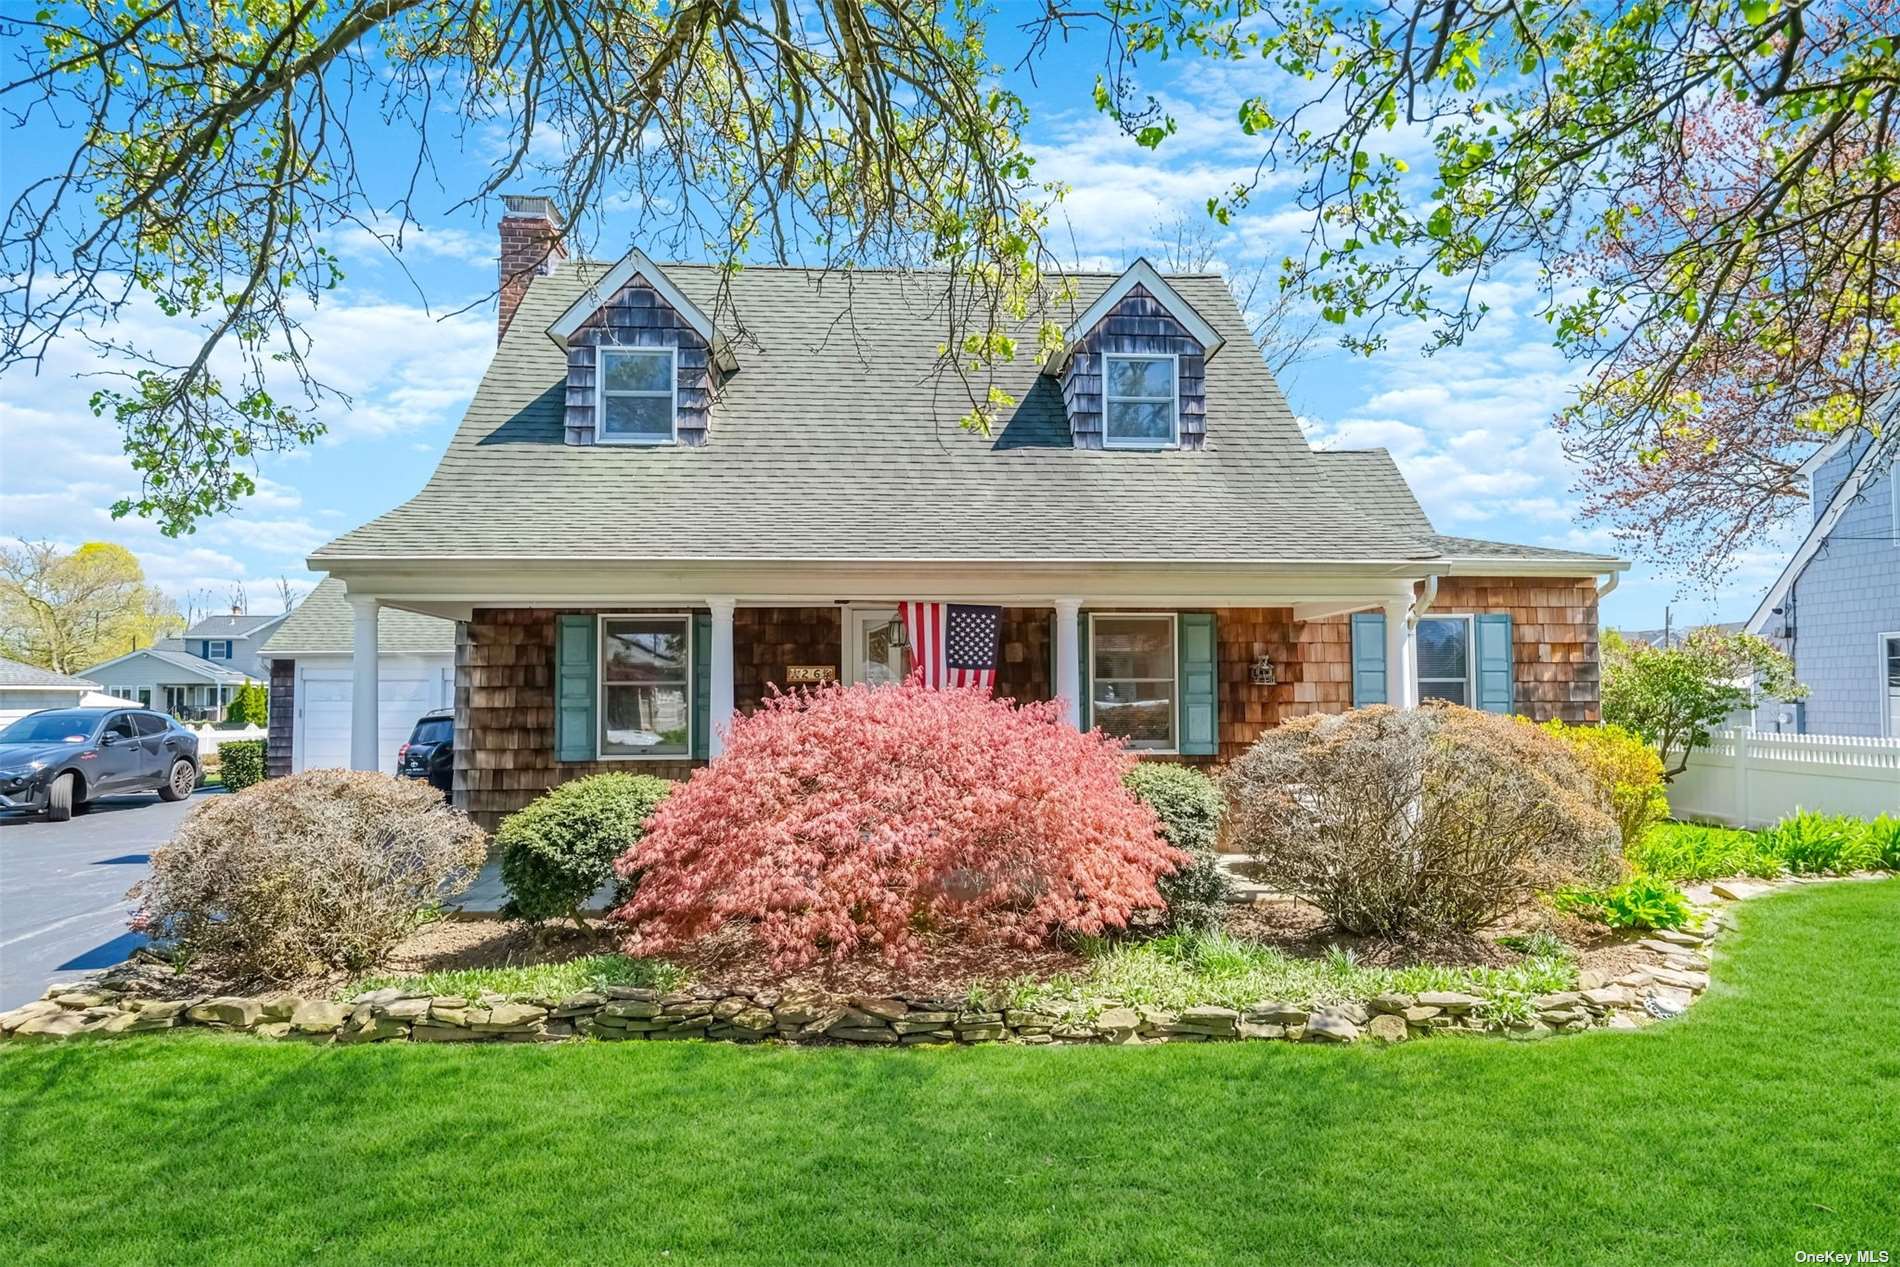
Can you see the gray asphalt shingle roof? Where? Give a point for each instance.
(17, 676)
(837, 439)
(323, 624)
(1371, 478)
(193, 667)
(229, 626)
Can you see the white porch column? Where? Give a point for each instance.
(1069, 658)
(720, 709)
(1401, 671)
(366, 675)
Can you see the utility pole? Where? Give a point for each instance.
(1666, 623)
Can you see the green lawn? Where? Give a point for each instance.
(1765, 1122)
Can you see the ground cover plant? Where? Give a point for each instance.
(306, 874)
(1822, 844)
(548, 980)
(1406, 820)
(854, 821)
(1189, 968)
(1599, 1148)
(1689, 853)
(1642, 901)
(559, 850)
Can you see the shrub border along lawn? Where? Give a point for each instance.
(118, 1002)
(1760, 1124)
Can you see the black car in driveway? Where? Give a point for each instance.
(60, 759)
(430, 752)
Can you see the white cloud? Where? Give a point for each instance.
(61, 468)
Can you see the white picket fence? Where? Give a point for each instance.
(1751, 778)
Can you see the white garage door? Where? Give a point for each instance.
(323, 712)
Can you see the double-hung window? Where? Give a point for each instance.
(646, 675)
(1140, 402)
(1132, 678)
(1444, 659)
(639, 390)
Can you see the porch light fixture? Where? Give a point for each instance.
(1262, 672)
(895, 634)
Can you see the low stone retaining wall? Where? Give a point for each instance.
(128, 999)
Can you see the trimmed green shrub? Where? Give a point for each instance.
(1822, 844)
(1627, 772)
(558, 851)
(1688, 853)
(1189, 805)
(1642, 901)
(250, 706)
(241, 763)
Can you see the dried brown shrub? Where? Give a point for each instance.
(297, 876)
(1437, 819)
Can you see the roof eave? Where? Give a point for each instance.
(1140, 273)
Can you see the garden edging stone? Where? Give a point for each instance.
(116, 1001)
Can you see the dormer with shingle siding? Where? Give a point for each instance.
(643, 362)
(1134, 368)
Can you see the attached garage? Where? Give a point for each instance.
(409, 687)
(311, 677)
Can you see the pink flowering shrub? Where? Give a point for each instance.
(852, 820)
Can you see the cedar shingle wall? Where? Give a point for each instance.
(283, 718)
(504, 694)
(1139, 323)
(765, 640)
(1553, 637)
(638, 317)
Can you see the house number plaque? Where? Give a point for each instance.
(796, 673)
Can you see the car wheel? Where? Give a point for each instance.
(59, 799)
(179, 783)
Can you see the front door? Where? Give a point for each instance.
(873, 653)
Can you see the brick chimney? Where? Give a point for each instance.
(531, 246)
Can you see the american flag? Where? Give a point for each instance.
(952, 643)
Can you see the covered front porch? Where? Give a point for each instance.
(572, 669)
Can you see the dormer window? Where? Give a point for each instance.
(639, 389)
(1141, 402)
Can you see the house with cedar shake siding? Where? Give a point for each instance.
(668, 500)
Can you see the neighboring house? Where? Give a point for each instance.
(25, 689)
(234, 641)
(194, 675)
(1836, 605)
(310, 681)
(172, 681)
(652, 513)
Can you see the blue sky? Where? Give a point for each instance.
(1469, 426)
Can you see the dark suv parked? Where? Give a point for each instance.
(61, 759)
(430, 752)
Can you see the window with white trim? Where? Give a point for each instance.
(1131, 678)
(639, 390)
(646, 674)
(1140, 402)
(1444, 659)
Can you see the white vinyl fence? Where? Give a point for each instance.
(1751, 778)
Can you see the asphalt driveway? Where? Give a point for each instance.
(62, 888)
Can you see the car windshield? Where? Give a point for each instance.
(51, 728)
(434, 730)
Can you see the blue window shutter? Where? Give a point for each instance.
(702, 685)
(1200, 728)
(1494, 661)
(1368, 658)
(576, 688)
(1082, 658)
